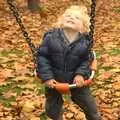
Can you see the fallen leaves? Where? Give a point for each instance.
(28, 107)
(5, 73)
(16, 70)
(69, 115)
(116, 85)
(73, 112)
(105, 75)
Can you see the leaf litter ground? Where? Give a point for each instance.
(21, 96)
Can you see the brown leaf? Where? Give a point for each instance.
(116, 85)
(105, 75)
(109, 116)
(5, 73)
(69, 115)
(28, 106)
(80, 116)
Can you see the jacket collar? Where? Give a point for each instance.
(65, 39)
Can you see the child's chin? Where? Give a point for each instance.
(69, 26)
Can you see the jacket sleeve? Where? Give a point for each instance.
(84, 67)
(43, 67)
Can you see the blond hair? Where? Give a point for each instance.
(83, 14)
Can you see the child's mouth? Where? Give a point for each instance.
(70, 22)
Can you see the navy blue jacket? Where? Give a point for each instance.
(60, 61)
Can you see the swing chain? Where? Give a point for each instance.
(22, 28)
(92, 21)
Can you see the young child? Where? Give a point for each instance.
(64, 57)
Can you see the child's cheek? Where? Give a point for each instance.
(79, 26)
(64, 21)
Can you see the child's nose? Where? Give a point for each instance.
(72, 17)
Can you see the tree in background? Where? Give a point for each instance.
(33, 5)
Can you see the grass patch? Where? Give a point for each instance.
(43, 116)
(7, 101)
(108, 68)
(116, 9)
(114, 51)
(4, 53)
(17, 52)
(12, 85)
(40, 88)
(67, 97)
(18, 90)
(98, 54)
(5, 88)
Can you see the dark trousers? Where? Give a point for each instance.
(81, 96)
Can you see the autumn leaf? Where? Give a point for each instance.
(5, 73)
(69, 115)
(28, 106)
(105, 75)
(16, 60)
(116, 85)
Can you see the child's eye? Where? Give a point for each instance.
(77, 18)
(68, 16)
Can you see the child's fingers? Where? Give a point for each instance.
(79, 82)
(53, 83)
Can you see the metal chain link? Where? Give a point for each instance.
(22, 28)
(92, 21)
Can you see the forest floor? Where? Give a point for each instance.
(22, 96)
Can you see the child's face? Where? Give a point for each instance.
(72, 19)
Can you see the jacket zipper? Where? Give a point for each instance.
(64, 63)
(65, 56)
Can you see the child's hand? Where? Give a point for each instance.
(79, 80)
(50, 83)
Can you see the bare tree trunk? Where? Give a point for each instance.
(33, 5)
